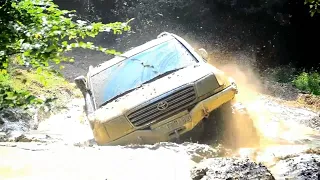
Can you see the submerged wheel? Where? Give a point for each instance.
(232, 126)
(194, 135)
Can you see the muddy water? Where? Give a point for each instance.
(287, 133)
(60, 162)
(65, 141)
(283, 137)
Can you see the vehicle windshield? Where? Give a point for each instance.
(140, 68)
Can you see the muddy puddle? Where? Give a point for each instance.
(63, 141)
(160, 161)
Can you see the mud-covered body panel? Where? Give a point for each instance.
(190, 94)
(173, 127)
(150, 91)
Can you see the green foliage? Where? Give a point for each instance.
(11, 97)
(37, 33)
(314, 6)
(309, 82)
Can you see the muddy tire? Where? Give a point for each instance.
(194, 135)
(241, 131)
(232, 126)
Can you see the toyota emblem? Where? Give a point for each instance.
(162, 105)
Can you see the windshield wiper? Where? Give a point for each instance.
(163, 74)
(116, 97)
(132, 89)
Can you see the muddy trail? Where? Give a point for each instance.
(61, 147)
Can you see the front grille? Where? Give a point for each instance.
(177, 101)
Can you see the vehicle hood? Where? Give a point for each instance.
(153, 89)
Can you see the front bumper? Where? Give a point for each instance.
(181, 123)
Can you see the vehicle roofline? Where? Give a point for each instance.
(187, 46)
(129, 53)
(162, 37)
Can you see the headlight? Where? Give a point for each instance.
(109, 128)
(206, 85)
(100, 133)
(118, 127)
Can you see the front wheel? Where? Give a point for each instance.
(232, 126)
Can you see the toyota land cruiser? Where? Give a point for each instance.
(152, 93)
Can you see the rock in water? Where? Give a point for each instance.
(303, 166)
(230, 168)
(15, 120)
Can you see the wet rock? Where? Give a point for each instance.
(1, 121)
(23, 138)
(31, 137)
(304, 166)
(3, 137)
(9, 115)
(15, 120)
(14, 115)
(230, 168)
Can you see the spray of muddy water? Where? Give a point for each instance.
(278, 137)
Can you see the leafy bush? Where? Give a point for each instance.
(37, 33)
(309, 82)
(314, 6)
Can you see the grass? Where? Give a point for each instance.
(49, 87)
(41, 84)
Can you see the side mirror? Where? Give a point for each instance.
(203, 53)
(81, 84)
(163, 34)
